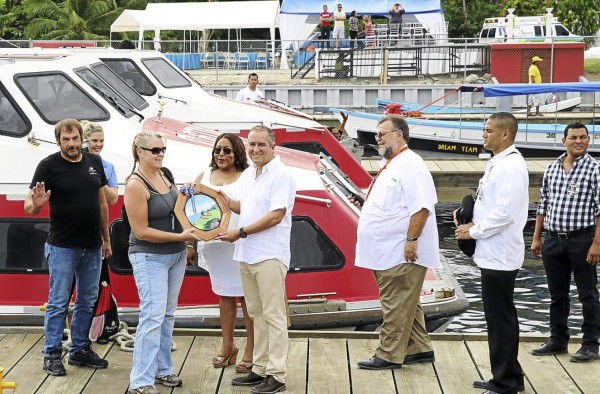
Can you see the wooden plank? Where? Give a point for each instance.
(465, 166)
(15, 346)
(433, 167)
(545, 373)
(479, 165)
(328, 366)
(454, 366)
(446, 165)
(2, 336)
(198, 374)
(534, 167)
(229, 372)
(297, 361)
(364, 380)
(77, 377)
(28, 372)
(585, 375)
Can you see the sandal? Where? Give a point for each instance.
(224, 361)
(244, 367)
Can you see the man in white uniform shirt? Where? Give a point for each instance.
(251, 92)
(339, 26)
(263, 250)
(499, 216)
(397, 238)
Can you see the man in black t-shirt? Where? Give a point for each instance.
(71, 181)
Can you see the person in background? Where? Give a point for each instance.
(227, 165)
(71, 181)
(94, 135)
(396, 13)
(367, 33)
(157, 252)
(263, 250)
(339, 27)
(338, 132)
(499, 217)
(353, 28)
(569, 213)
(251, 92)
(534, 77)
(397, 239)
(326, 18)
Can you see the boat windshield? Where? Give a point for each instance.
(55, 97)
(119, 85)
(131, 73)
(113, 98)
(12, 121)
(339, 182)
(165, 73)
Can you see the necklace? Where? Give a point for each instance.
(169, 206)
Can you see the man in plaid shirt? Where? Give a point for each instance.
(569, 212)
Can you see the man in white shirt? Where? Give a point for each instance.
(263, 250)
(397, 238)
(339, 26)
(251, 92)
(499, 216)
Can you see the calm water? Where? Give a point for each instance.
(531, 290)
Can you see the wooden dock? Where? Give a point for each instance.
(318, 363)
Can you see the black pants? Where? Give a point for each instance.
(562, 257)
(497, 289)
(325, 35)
(353, 34)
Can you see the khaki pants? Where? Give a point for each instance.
(264, 291)
(403, 329)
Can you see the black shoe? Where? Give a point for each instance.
(249, 380)
(53, 365)
(422, 357)
(483, 384)
(377, 363)
(269, 386)
(550, 347)
(87, 358)
(585, 354)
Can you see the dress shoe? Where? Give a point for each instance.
(269, 386)
(251, 379)
(585, 354)
(422, 357)
(483, 384)
(550, 347)
(377, 363)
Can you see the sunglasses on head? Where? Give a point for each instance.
(226, 150)
(156, 150)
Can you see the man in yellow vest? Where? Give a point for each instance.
(534, 77)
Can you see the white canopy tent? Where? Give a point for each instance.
(299, 18)
(200, 16)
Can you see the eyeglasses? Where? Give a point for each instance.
(156, 150)
(381, 134)
(226, 150)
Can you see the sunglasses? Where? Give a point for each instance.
(226, 150)
(155, 150)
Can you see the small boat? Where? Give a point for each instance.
(464, 137)
(324, 287)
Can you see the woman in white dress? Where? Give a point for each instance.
(228, 162)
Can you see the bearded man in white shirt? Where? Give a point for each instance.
(499, 216)
(251, 92)
(397, 239)
(263, 250)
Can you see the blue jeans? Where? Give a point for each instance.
(158, 278)
(65, 264)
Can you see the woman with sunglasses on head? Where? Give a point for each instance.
(227, 164)
(157, 252)
(94, 135)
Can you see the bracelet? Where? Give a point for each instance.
(190, 246)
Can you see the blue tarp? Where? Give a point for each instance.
(362, 7)
(516, 89)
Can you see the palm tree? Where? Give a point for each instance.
(70, 19)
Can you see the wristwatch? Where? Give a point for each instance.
(243, 233)
(412, 239)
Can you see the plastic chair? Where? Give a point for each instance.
(229, 60)
(243, 59)
(394, 31)
(261, 58)
(209, 60)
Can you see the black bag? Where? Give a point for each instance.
(105, 322)
(168, 174)
(464, 215)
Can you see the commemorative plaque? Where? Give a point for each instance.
(203, 209)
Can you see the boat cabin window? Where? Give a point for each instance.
(131, 73)
(55, 97)
(311, 248)
(538, 31)
(112, 97)
(13, 121)
(561, 30)
(120, 85)
(22, 245)
(308, 146)
(165, 73)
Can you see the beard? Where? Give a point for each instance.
(73, 153)
(386, 152)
